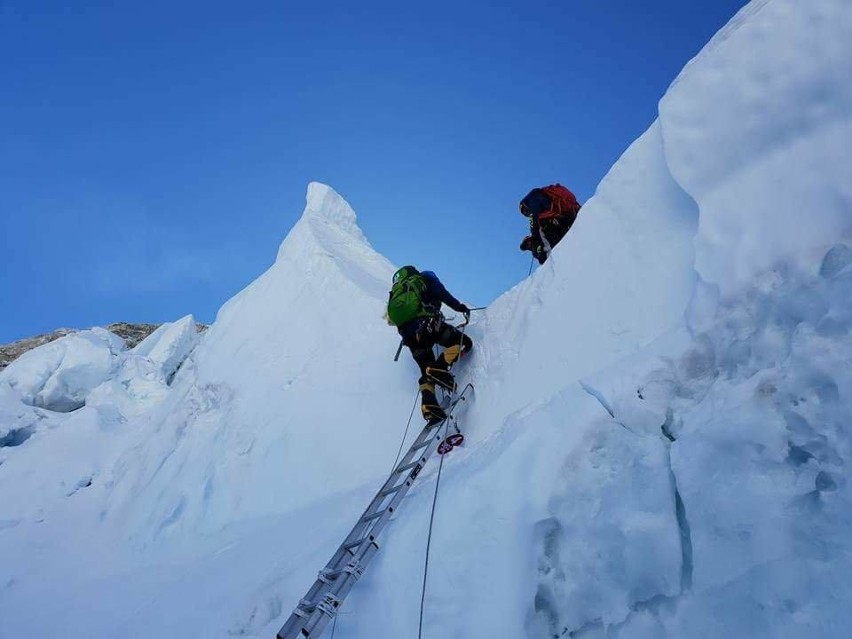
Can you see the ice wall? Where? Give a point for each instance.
(620, 278)
(756, 129)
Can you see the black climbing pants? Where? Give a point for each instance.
(553, 230)
(422, 341)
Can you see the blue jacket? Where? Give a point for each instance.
(436, 294)
(536, 202)
(432, 298)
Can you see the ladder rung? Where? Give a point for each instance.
(305, 608)
(396, 489)
(358, 542)
(423, 444)
(402, 469)
(377, 514)
(352, 568)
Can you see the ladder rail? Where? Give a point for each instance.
(405, 464)
(350, 560)
(369, 525)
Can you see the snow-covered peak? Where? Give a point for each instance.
(327, 223)
(285, 354)
(325, 204)
(328, 236)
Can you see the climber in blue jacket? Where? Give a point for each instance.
(414, 307)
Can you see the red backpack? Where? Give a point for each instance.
(562, 204)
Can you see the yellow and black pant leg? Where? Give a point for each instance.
(455, 345)
(421, 344)
(429, 406)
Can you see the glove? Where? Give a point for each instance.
(466, 312)
(527, 244)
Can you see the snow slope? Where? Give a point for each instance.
(61, 405)
(656, 446)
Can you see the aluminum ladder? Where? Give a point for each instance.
(322, 602)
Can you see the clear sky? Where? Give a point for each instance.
(154, 154)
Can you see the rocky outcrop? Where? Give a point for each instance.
(131, 333)
(11, 352)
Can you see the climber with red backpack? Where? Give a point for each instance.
(552, 211)
(414, 307)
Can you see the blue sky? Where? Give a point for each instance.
(155, 154)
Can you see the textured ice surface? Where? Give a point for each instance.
(168, 346)
(657, 445)
(59, 375)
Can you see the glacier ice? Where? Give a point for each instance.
(657, 446)
(60, 375)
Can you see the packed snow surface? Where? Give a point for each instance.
(658, 443)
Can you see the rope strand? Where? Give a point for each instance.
(405, 434)
(429, 542)
(446, 427)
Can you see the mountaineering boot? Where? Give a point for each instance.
(442, 377)
(432, 411)
(449, 356)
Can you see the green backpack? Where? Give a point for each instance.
(405, 302)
